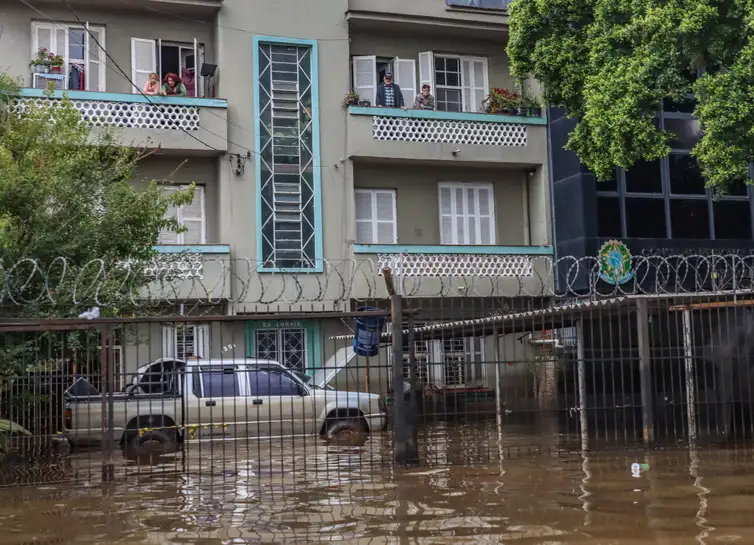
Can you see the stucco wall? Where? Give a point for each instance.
(417, 195)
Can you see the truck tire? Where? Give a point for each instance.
(150, 444)
(347, 432)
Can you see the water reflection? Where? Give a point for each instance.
(307, 492)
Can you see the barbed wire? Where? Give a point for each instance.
(202, 280)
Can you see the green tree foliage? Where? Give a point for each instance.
(70, 217)
(611, 63)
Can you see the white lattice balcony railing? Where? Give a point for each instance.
(124, 110)
(447, 265)
(449, 127)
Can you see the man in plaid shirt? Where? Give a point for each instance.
(389, 94)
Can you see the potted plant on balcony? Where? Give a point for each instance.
(351, 99)
(46, 61)
(530, 106)
(502, 101)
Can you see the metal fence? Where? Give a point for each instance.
(454, 380)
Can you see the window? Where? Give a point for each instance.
(460, 83)
(466, 214)
(272, 382)
(220, 382)
(185, 340)
(283, 345)
(163, 57)
(287, 168)
(376, 216)
(369, 71)
(78, 49)
(608, 216)
(191, 216)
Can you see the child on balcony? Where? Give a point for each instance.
(152, 86)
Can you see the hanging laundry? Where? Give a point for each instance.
(76, 78)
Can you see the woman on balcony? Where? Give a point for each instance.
(173, 87)
(152, 86)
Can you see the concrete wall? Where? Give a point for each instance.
(120, 26)
(417, 199)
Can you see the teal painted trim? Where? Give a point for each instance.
(313, 334)
(448, 249)
(449, 116)
(201, 249)
(124, 97)
(318, 233)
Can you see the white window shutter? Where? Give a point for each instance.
(201, 341)
(170, 237)
(143, 61)
(447, 211)
(480, 86)
(405, 77)
(427, 70)
(466, 85)
(192, 218)
(95, 65)
(486, 215)
(42, 37)
(168, 342)
(364, 218)
(385, 220)
(365, 77)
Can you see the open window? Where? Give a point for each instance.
(164, 57)
(460, 83)
(82, 48)
(369, 71)
(185, 341)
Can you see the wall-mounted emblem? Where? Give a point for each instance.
(615, 263)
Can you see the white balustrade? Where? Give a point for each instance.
(449, 265)
(448, 131)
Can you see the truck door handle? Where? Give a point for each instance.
(210, 403)
(257, 402)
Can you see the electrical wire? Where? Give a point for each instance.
(121, 73)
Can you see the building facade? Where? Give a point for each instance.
(292, 182)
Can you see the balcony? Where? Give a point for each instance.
(458, 271)
(477, 19)
(450, 137)
(184, 273)
(174, 124)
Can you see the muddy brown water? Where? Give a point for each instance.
(296, 491)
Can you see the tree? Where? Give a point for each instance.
(66, 194)
(611, 63)
(70, 217)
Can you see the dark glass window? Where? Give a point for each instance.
(685, 105)
(738, 189)
(645, 218)
(685, 177)
(689, 218)
(220, 383)
(608, 217)
(644, 177)
(271, 382)
(687, 132)
(732, 219)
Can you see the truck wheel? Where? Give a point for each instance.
(349, 432)
(150, 444)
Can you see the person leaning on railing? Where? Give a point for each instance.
(173, 87)
(424, 100)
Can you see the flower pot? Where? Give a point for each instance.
(41, 68)
(353, 102)
(509, 111)
(522, 111)
(535, 112)
(55, 69)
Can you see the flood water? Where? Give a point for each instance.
(464, 492)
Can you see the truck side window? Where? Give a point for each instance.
(220, 382)
(272, 382)
(152, 380)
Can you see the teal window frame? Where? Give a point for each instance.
(313, 339)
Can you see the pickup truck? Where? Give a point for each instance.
(175, 401)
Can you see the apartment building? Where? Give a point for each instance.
(292, 180)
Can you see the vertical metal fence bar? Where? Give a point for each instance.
(642, 327)
(688, 352)
(581, 372)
